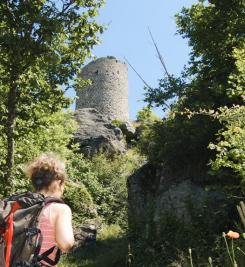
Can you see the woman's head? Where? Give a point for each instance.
(47, 173)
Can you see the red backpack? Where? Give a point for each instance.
(20, 237)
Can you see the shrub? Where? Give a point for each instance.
(105, 181)
(80, 201)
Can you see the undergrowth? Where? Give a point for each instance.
(110, 250)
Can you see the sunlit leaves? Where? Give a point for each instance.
(231, 142)
(43, 45)
(211, 86)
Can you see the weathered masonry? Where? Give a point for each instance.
(108, 92)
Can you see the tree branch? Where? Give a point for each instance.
(159, 54)
(141, 78)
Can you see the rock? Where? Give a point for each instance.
(139, 189)
(138, 132)
(176, 199)
(167, 211)
(154, 193)
(84, 236)
(96, 133)
(128, 130)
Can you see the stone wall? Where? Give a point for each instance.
(108, 92)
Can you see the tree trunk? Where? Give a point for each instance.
(10, 133)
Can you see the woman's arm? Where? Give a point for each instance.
(63, 227)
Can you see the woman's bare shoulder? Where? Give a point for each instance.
(61, 207)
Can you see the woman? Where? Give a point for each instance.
(48, 175)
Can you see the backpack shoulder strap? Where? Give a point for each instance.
(53, 200)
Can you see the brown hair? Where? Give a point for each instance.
(44, 169)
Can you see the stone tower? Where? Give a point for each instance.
(108, 92)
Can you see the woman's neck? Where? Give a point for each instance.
(48, 193)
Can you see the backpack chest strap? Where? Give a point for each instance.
(45, 256)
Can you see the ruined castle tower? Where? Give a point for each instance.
(108, 92)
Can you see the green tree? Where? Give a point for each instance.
(231, 140)
(53, 137)
(42, 47)
(214, 29)
(146, 121)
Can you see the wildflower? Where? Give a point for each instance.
(233, 235)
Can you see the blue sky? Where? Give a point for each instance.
(127, 36)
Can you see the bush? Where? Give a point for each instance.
(105, 181)
(80, 201)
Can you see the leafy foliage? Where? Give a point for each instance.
(96, 187)
(146, 120)
(213, 79)
(53, 136)
(43, 44)
(231, 145)
(231, 140)
(105, 181)
(205, 110)
(80, 201)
